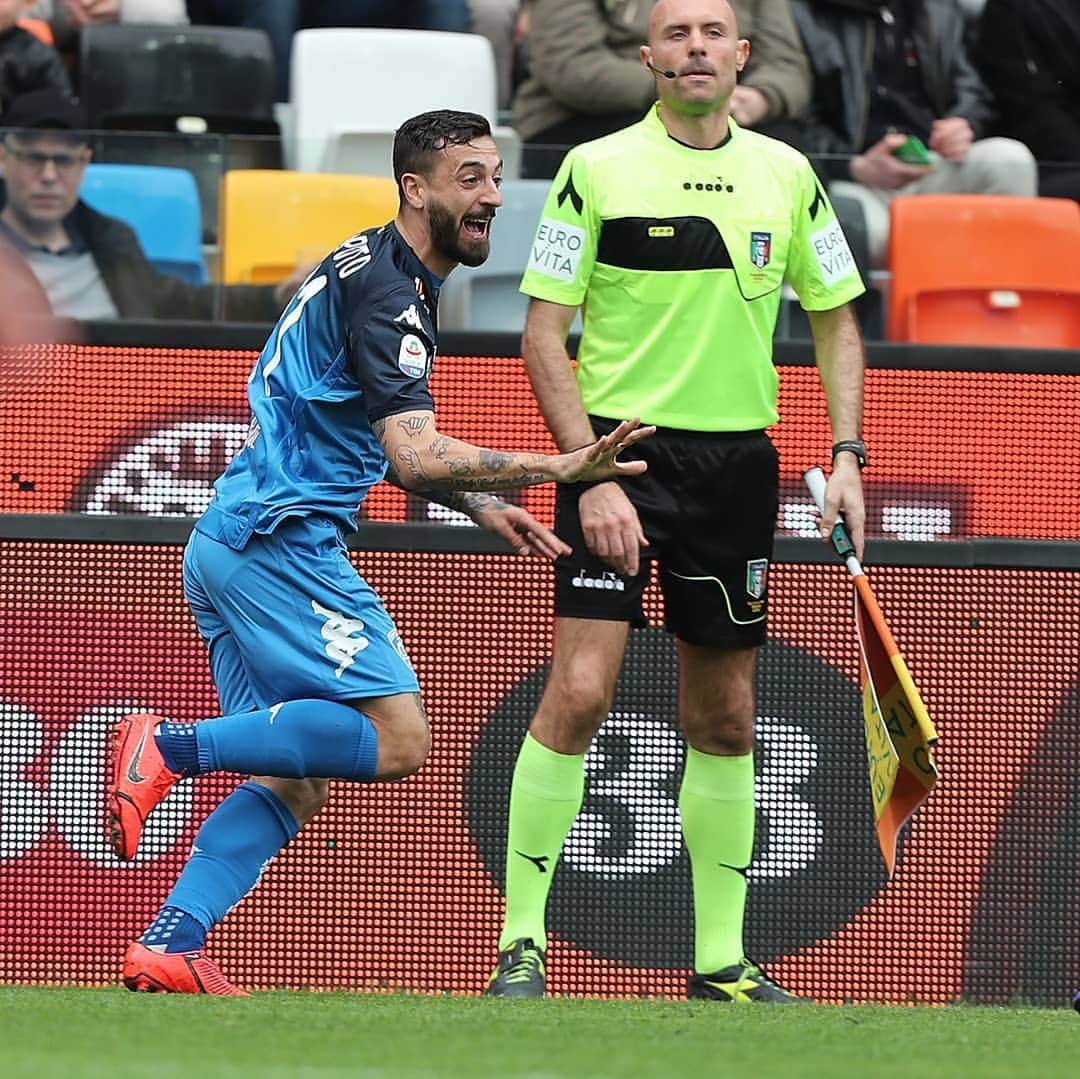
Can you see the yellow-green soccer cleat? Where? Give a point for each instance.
(743, 983)
(521, 971)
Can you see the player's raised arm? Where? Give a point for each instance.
(419, 457)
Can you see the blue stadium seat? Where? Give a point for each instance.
(161, 205)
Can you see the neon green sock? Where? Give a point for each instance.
(545, 798)
(716, 803)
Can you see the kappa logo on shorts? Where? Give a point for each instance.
(338, 630)
(757, 577)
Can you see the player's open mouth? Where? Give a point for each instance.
(476, 227)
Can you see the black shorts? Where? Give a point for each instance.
(708, 506)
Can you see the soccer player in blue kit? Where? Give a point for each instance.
(313, 680)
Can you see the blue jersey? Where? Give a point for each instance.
(354, 345)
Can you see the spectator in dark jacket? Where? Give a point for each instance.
(586, 78)
(885, 70)
(1028, 51)
(89, 265)
(25, 62)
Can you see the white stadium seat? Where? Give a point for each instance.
(351, 89)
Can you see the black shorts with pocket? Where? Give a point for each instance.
(708, 506)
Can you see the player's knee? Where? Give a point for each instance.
(582, 690)
(404, 745)
(312, 795)
(723, 728)
(305, 798)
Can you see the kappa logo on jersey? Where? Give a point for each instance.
(556, 251)
(834, 257)
(760, 249)
(411, 317)
(341, 646)
(412, 356)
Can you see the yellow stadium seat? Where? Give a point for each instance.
(272, 220)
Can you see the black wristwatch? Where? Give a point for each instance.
(852, 445)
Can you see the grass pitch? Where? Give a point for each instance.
(113, 1033)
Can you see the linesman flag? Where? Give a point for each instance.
(900, 735)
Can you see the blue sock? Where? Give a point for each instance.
(173, 930)
(178, 747)
(232, 848)
(292, 740)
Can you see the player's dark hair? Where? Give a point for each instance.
(419, 139)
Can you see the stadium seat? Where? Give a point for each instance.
(351, 89)
(985, 270)
(486, 297)
(161, 78)
(161, 205)
(200, 97)
(273, 220)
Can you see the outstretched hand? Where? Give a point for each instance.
(599, 460)
(517, 527)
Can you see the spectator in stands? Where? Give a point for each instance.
(89, 265)
(26, 63)
(1028, 51)
(503, 23)
(884, 71)
(282, 18)
(68, 17)
(586, 78)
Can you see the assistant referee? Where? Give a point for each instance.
(674, 237)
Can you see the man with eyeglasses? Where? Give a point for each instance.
(90, 265)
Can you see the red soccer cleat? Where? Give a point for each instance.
(147, 971)
(138, 781)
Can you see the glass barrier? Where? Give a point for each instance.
(227, 225)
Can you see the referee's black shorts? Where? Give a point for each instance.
(708, 506)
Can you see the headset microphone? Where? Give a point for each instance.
(666, 74)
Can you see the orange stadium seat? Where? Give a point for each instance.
(985, 270)
(273, 220)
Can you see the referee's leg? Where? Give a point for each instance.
(547, 790)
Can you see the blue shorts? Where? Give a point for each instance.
(288, 617)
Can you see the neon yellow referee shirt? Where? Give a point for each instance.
(677, 257)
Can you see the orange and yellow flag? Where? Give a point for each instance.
(899, 733)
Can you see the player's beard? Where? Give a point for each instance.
(446, 237)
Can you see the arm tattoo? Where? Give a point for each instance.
(493, 461)
(439, 447)
(413, 427)
(447, 466)
(412, 465)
